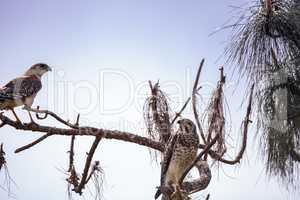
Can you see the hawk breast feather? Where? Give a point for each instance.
(20, 88)
(189, 142)
(166, 162)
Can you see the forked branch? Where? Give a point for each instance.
(88, 162)
(246, 123)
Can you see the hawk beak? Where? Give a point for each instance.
(49, 69)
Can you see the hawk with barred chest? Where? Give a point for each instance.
(181, 151)
(23, 90)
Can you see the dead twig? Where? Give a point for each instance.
(157, 114)
(246, 122)
(215, 116)
(83, 180)
(207, 197)
(33, 143)
(202, 182)
(52, 114)
(194, 101)
(182, 109)
(73, 180)
(71, 152)
(7, 178)
(202, 153)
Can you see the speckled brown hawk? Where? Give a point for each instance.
(180, 154)
(22, 90)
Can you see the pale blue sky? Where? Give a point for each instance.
(102, 52)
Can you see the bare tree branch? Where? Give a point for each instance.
(158, 116)
(202, 182)
(245, 134)
(83, 180)
(217, 112)
(33, 143)
(86, 131)
(52, 114)
(182, 109)
(194, 101)
(203, 152)
(71, 152)
(208, 197)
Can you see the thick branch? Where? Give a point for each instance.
(87, 131)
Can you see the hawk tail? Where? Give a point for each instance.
(3, 99)
(7, 94)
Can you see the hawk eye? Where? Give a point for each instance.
(189, 124)
(44, 66)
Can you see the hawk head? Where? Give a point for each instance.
(38, 69)
(187, 126)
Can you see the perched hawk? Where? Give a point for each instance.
(180, 154)
(22, 90)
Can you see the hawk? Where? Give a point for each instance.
(180, 153)
(23, 90)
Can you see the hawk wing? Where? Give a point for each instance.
(20, 88)
(166, 162)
